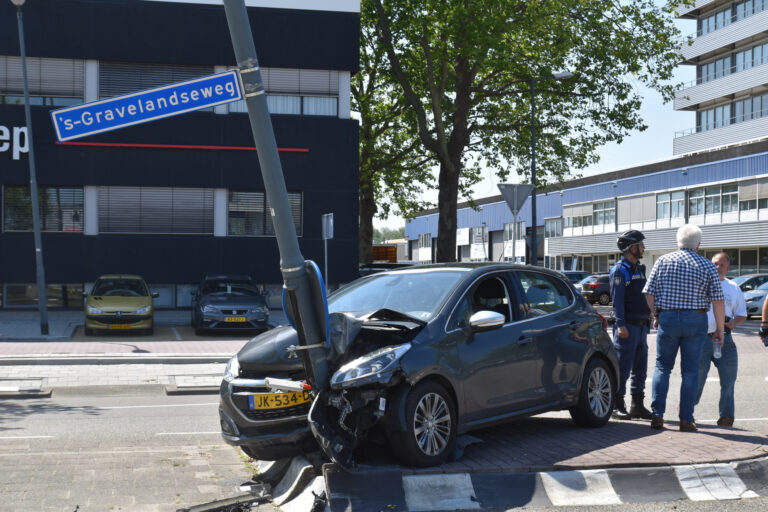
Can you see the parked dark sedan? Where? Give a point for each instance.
(596, 289)
(229, 302)
(422, 355)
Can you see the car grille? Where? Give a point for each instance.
(240, 395)
(235, 312)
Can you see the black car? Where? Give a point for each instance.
(422, 355)
(596, 289)
(575, 276)
(231, 302)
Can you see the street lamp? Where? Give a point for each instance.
(42, 295)
(557, 76)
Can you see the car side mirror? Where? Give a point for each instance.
(747, 287)
(155, 295)
(486, 321)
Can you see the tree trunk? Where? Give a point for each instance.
(367, 211)
(446, 206)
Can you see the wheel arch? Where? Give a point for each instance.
(396, 416)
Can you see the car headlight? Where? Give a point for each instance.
(94, 310)
(209, 309)
(144, 310)
(232, 371)
(367, 368)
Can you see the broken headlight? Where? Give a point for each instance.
(370, 367)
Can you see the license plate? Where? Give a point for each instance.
(118, 326)
(235, 319)
(277, 400)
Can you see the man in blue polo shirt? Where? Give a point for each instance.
(630, 329)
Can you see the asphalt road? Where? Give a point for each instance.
(115, 449)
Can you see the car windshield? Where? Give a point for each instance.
(120, 288)
(227, 287)
(740, 279)
(417, 293)
(763, 286)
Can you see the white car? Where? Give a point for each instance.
(755, 299)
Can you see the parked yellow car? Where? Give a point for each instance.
(119, 302)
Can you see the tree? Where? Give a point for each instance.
(394, 167)
(465, 69)
(384, 234)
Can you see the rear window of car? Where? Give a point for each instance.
(602, 279)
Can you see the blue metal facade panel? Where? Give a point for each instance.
(550, 205)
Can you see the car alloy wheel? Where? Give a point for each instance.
(604, 299)
(596, 395)
(432, 424)
(599, 392)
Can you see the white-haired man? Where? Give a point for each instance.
(680, 289)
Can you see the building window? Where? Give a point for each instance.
(662, 205)
(52, 82)
(58, 295)
(553, 228)
(713, 118)
(425, 241)
(712, 200)
(604, 213)
(117, 78)
(715, 69)
(478, 235)
(696, 202)
(749, 204)
(714, 21)
(730, 201)
(320, 106)
(155, 210)
(61, 209)
(248, 214)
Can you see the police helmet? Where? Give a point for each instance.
(628, 239)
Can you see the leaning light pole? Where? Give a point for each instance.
(42, 293)
(302, 307)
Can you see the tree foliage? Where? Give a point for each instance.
(384, 234)
(394, 167)
(465, 69)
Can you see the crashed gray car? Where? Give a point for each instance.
(422, 355)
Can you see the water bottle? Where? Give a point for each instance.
(717, 350)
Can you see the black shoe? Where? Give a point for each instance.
(620, 409)
(638, 410)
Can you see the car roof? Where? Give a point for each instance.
(475, 267)
(229, 277)
(120, 276)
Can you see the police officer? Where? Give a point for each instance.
(630, 329)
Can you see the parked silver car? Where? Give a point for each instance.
(755, 300)
(229, 302)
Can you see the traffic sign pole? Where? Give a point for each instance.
(292, 265)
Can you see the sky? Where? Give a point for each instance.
(655, 143)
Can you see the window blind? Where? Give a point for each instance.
(155, 210)
(46, 77)
(116, 78)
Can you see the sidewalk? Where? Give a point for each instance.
(540, 443)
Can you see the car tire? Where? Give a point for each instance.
(422, 445)
(604, 299)
(596, 396)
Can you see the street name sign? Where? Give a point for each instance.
(144, 106)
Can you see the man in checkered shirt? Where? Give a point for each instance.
(679, 290)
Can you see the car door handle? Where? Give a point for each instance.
(524, 340)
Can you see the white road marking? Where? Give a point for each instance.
(176, 333)
(156, 406)
(184, 433)
(439, 492)
(12, 389)
(27, 437)
(705, 482)
(591, 487)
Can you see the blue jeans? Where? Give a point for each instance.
(633, 358)
(726, 369)
(687, 331)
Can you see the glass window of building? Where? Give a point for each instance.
(662, 205)
(425, 241)
(52, 82)
(247, 213)
(552, 228)
(748, 261)
(712, 200)
(696, 202)
(677, 204)
(604, 213)
(61, 209)
(763, 260)
(730, 201)
(478, 235)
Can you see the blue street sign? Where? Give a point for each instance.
(141, 107)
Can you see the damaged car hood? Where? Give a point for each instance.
(269, 352)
